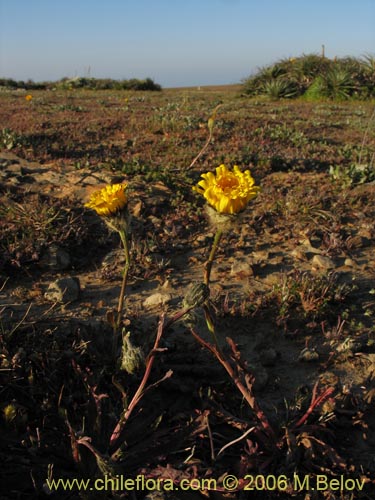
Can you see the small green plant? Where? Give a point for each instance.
(310, 296)
(353, 174)
(69, 107)
(284, 133)
(362, 168)
(9, 139)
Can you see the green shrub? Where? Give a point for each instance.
(307, 67)
(315, 77)
(315, 90)
(8, 83)
(338, 83)
(107, 83)
(83, 83)
(279, 88)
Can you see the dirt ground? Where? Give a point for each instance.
(292, 285)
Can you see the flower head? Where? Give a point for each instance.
(109, 201)
(228, 192)
(28, 97)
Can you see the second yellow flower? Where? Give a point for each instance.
(228, 192)
(109, 201)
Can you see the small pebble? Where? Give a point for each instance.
(63, 290)
(157, 299)
(322, 262)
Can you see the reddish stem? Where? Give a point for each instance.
(315, 401)
(241, 387)
(139, 393)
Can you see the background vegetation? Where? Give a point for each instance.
(315, 77)
(82, 83)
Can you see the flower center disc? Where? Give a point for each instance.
(227, 183)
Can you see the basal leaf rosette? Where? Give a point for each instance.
(227, 192)
(111, 203)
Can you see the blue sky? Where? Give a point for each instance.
(174, 42)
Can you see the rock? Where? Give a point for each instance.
(274, 278)
(113, 258)
(276, 260)
(260, 256)
(241, 269)
(307, 247)
(90, 180)
(299, 253)
(63, 290)
(322, 262)
(156, 299)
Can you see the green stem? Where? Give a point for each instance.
(211, 258)
(124, 239)
(140, 391)
(207, 275)
(120, 307)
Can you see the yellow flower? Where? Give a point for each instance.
(108, 201)
(28, 97)
(228, 192)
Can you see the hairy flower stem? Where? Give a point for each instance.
(211, 258)
(180, 314)
(207, 275)
(116, 434)
(120, 307)
(124, 239)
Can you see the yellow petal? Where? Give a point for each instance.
(109, 200)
